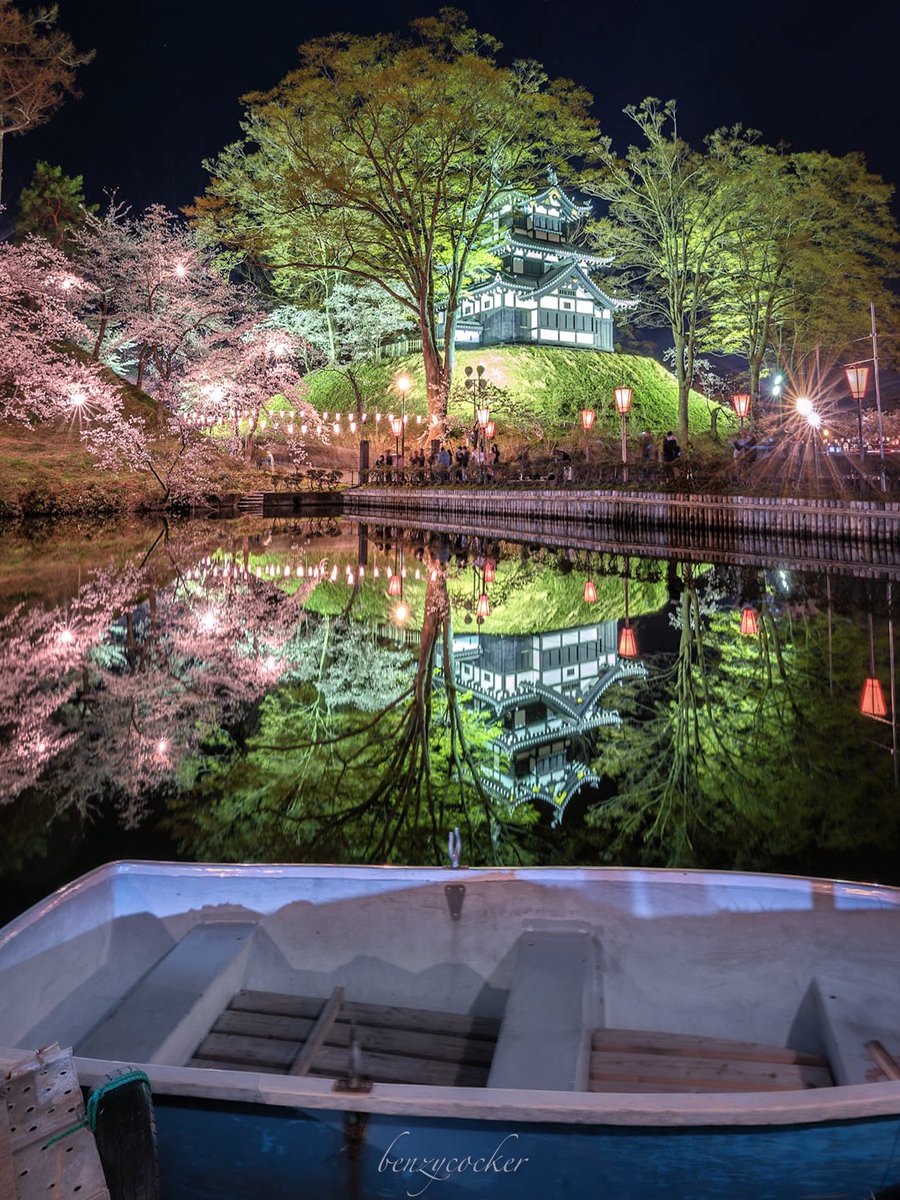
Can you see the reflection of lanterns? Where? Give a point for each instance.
(401, 613)
(483, 415)
(590, 592)
(871, 702)
(587, 418)
(623, 400)
(490, 429)
(490, 571)
(749, 621)
(628, 647)
(483, 607)
(396, 426)
(395, 586)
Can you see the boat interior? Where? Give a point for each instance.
(590, 981)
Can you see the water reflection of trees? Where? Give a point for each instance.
(354, 772)
(735, 753)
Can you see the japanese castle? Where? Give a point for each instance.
(544, 291)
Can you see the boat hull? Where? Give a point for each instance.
(245, 1151)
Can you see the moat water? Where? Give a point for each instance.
(321, 690)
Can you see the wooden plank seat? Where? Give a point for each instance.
(281, 1034)
(634, 1060)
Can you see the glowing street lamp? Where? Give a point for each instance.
(483, 607)
(741, 404)
(395, 585)
(590, 592)
(623, 405)
(857, 381)
(180, 270)
(401, 613)
(398, 429)
(804, 406)
(490, 429)
(490, 569)
(588, 416)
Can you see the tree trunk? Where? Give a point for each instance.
(755, 364)
(142, 366)
(248, 448)
(683, 379)
(101, 333)
(357, 393)
(437, 379)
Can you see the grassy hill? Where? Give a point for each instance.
(45, 471)
(543, 390)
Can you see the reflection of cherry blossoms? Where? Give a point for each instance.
(108, 695)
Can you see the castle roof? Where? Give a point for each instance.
(537, 287)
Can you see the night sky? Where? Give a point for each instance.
(162, 93)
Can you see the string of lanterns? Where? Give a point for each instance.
(279, 419)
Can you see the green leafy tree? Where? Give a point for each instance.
(37, 69)
(348, 328)
(670, 209)
(814, 244)
(383, 158)
(53, 207)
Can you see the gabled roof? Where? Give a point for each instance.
(554, 194)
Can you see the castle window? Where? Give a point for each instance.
(567, 303)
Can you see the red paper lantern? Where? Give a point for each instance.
(489, 571)
(749, 621)
(483, 607)
(623, 400)
(490, 429)
(871, 702)
(587, 418)
(484, 415)
(628, 647)
(590, 592)
(741, 404)
(395, 586)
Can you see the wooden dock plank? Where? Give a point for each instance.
(334, 1061)
(659, 1068)
(415, 1043)
(374, 1015)
(319, 1032)
(265, 1054)
(642, 1041)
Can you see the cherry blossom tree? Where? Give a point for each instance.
(41, 301)
(234, 382)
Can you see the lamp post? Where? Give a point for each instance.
(477, 384)
(587, 424)
(623, 404)
(397, 429)
(404, 383)
(484, 416)
(741, 404)
(857, 378)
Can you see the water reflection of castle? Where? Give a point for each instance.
(547, 691)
